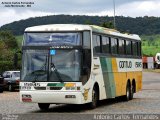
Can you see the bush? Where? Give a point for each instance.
(7, 66)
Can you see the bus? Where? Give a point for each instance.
(78, 64)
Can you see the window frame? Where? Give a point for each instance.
(125, 55)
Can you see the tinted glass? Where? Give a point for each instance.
(86, 40)
(105, 45)
(96, 44)
(128, 47)
(52, 39)
(135, 48)
(114, 46)
(121, 47)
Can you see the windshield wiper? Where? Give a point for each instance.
(56, 72)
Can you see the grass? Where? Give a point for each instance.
(151, 70)
(150, 44)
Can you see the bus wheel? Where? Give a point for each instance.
(95, 98)
(133, 89)
(43, 106)
(128, 92)
(131, 92)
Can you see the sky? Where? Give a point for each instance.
(132, 8)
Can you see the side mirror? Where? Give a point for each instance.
(158, 58)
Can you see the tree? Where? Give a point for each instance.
(108, 24)
(8, 38)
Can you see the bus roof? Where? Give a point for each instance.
(79, 27)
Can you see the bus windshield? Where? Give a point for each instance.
(44, 39)
(53, 65)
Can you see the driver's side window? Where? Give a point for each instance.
(8, 75)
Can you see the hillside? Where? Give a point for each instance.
(140, 25)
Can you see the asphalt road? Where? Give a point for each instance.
(146, 101)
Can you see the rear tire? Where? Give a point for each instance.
(131, 92)
(127, 97)
(43, 106)
(95, 98)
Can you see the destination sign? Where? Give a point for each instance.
(61, 47)
(129, 64)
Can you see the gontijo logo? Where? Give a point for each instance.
(125, 64)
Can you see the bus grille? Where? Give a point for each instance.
(56, 88)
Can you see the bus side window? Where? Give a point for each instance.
(86, 40)
(96, 44)
(139, 49)
(135, 48)
(128, 47)
(114, 45)
(86, 68)
(121, 47)
(105, 45)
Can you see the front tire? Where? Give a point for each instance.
(43, 106)
(95, 98)
(131, 92)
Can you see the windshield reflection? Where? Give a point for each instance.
(35, 65)
(63, 65)
(67, 63)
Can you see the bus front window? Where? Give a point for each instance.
(58, 66)
(66, 65)
(35, 65)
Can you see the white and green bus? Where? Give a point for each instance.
(78, 64)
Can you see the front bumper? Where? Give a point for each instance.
(53, 97)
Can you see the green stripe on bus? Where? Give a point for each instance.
(56, 84)
(106, 65)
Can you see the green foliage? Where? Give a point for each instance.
(5, 65)
(108, 24)
(19, 40)
(8, 47)
(8, 65)
(8, 38)
(150, 44)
